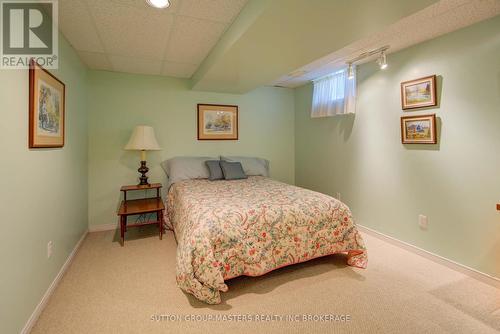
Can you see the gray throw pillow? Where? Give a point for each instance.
(215, 170)
(232, 170)
(251, 166)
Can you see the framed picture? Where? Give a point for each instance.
(46, 108)
(217, 122)
(419, 93)
(419, 129)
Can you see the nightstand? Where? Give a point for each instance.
(141, 206)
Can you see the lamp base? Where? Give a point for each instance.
(143, 170)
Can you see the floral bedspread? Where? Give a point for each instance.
(226, 229)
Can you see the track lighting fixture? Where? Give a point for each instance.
(382, 60)
(350, 71)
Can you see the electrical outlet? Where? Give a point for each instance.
(50, 246)
(423, 222)
(339, 197)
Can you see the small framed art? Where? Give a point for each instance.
(419, 129)
(419, 93)
(46, 108)
(217, 122)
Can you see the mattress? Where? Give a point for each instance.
(226, 229)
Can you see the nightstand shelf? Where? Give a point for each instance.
(140, 207)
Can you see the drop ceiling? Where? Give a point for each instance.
(234, 46)
(130, 36)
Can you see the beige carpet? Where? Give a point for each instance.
(110, 289)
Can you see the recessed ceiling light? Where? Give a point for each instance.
(159, 3)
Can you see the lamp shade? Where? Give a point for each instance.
(143, 139)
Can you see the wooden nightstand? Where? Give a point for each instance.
(141, 207)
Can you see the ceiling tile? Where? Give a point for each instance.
(131, 36)
(130, 31)
(178, 70)
(216, 10)
(192, 39)
(95, 61)
(77, 26)
(136, 65)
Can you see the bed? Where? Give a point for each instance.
(226, 229)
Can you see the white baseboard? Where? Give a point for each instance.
(39, 308)
(476, 274)
(104, 227)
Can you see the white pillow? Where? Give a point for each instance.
(251, 166)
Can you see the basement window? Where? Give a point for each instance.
(334, 94)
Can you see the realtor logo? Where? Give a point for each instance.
(28, 30)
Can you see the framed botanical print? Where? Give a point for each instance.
(217, 122)
(419, 93)
(46, 108)
(419, 129)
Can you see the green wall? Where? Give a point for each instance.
(118, 102)
(43, 192)
(387, 185)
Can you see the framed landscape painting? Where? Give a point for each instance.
(46, 108)
(419, 93)
(418, 129)
(217, 122)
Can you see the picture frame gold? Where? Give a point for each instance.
(217, 122)
(419, 93)
(419, 129)
(47, 99)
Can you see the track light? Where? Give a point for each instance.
(350, 71)
(382, 60)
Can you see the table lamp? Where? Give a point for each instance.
(143, 139)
